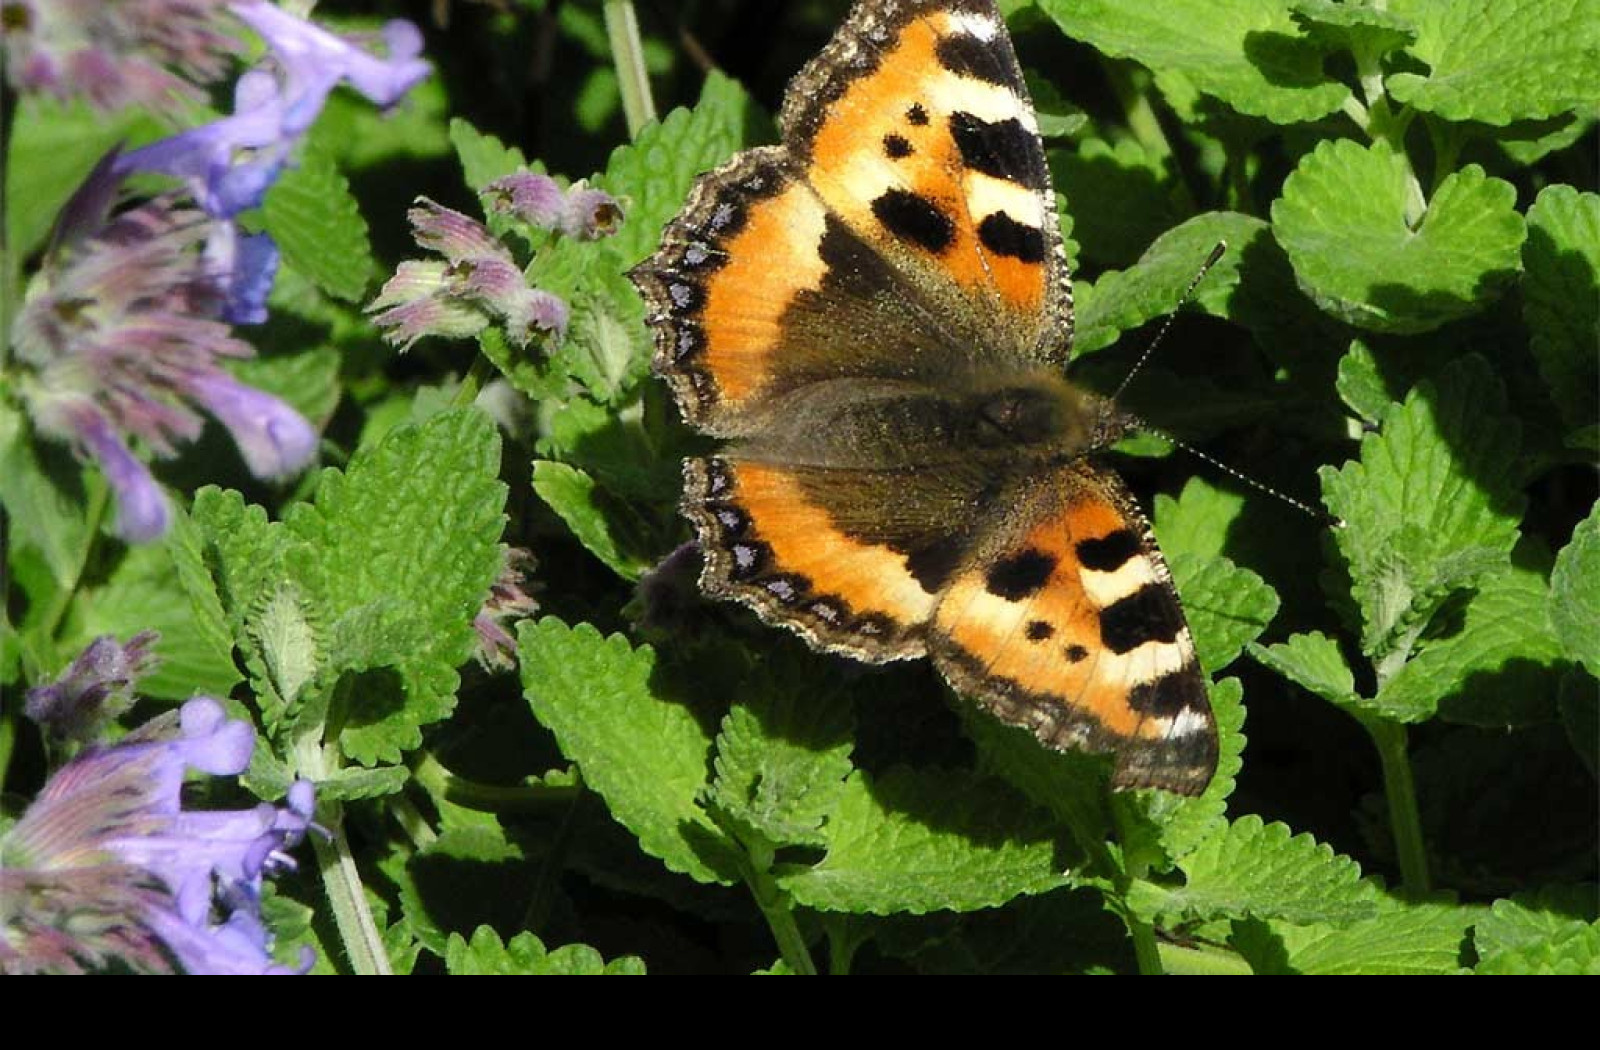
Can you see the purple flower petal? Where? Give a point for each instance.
(142, 511)
(274, 439)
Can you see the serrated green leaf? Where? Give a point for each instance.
(1551, 931)
(360, 136)
(1367, 32)
(1181, 824)
(1196, 523)
(1265, 871)
(483, 157)
(286, 640)
(1401, 938)
(1498, 670)
(185, 545)
(1313, 660)
(1154, 285)
(352, 783)
(928, 840)
(1361, 387)
(1575, 593)
(242, 549)
(43, 491)
(1497, 63)
(1363, 248)
(572, 494)
(782, 757)
(1071, 784)
(652, 174)
(1561, 298)
(396, 558)
(1431, 505)
(1248, 53)
(640, 747)
(1227, 606)
(607, 348)
(146, 593)
(317, 225)
(526, 954)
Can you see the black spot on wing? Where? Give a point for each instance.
(916, 115)
(1038, 630)
(1109, 552)
(1169, 695)
(1003, 235)
(1020, 575)
(967, 56)
(1004, 149)
(914, 218)
(1075, 654)
(933, 565)
(1150, 614)
(896, 147)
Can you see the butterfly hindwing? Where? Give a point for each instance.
(1065, 621)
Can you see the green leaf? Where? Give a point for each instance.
(43, 491)
(397, 557)
(607, 348)
(242, 549)
(1367, 250)
(1367, 32)
(640, 746)
(1561, 298)
(1313, 660)
(146, 593)
(1498, 670)
(1184, 823)
(1431, 505)
(1131, 192)
(928, 840)
(483, 157)
(1071, 784)
(1501, 62)
(352, 783)
(1401, 938)
(317, 224)
(654, 171)
(1154, 285)
(1551, 931)
(526, 954)
(1361, 387)
(589, 514)
(1227, 606)
(52, 147)
(782, 757)
(1248, 53)
(1263, 870)
(360, 136)
(1196, 524)
(1575, 593)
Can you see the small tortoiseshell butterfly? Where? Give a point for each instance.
(876, 317)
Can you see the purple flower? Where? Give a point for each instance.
(538, 200)
(106, 866)
(96, 688)
(117, 54)
(508, 602)
(122, 336)
(478, 284)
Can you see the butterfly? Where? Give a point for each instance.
(875, 316)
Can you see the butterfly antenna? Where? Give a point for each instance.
(1188, 293)
(1315, 512)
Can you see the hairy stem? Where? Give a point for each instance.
(358, 930)
(627, 51)
(1401, 792)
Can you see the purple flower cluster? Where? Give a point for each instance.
(125, 328)
(479, 282)
(107, 867)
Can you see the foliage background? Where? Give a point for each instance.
(1404, 328)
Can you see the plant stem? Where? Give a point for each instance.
(775, 907)
(627, 51)
(1401, 791)
(1145, 949)
(10, 263)
(439, 781)
(479, 373)
(363, 944)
